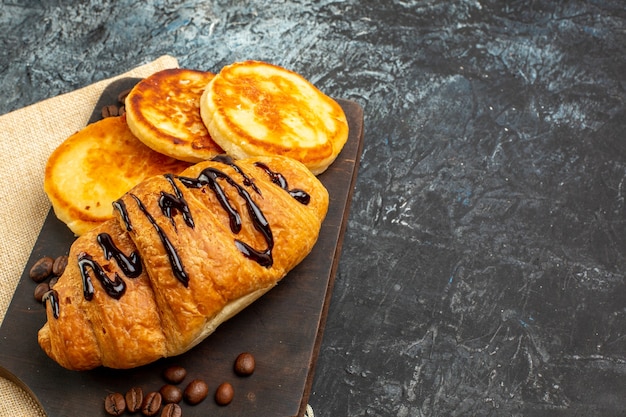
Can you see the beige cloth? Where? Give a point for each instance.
(29, 135)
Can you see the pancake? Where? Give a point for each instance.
(163, 112)
(254, 108)
(96, 166)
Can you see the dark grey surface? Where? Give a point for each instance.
(483, 269)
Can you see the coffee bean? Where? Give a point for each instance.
(59, 265)
(114, 404)
(151, 404)
(196, 391)
(224, 394)
(245, 364)
(41, 269)
(172, 410)
(175, 374)
(53, 281)
(134, 399)
(121, 97)
(171, 393)
(110, 111)
(40, 290)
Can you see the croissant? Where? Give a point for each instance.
(183, 254)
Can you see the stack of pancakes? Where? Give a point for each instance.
(178, 117)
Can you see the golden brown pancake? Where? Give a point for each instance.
(254, 108)
(163, 112)
(95, 167)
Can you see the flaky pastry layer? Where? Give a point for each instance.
(183, 254)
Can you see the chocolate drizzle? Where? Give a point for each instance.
(209, 177)
(130, 265)
(175, 262)
(120, 206)
(114, 288)
(247, 181)
(171, 203)
(53, 297)
(277, 178)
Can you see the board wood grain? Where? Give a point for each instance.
(283, 329)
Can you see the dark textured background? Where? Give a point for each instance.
(483, 270)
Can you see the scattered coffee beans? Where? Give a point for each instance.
(134, 399)
(41, 269)
(151, 404)
(114, 404)
(40, 290)
(59, 265)
(175, 374)
(224, 394)
(167, 399)
(196, 392)
(172, 410)
(171, 393)
(245, 364)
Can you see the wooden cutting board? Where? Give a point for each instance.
(283, 329)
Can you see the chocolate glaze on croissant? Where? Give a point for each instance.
(183, 254)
